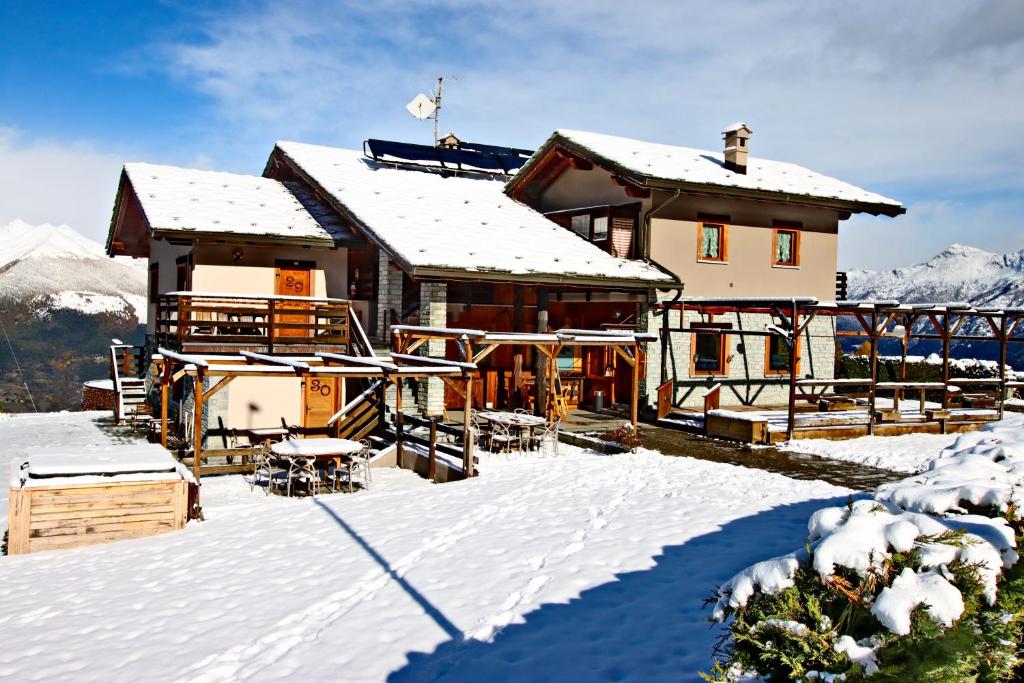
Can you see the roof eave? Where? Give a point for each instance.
(644, 180)
(541, 278)
(874, 208)
(177, 233)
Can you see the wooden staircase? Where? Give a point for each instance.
(130, 400)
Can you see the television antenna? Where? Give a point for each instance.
(425, 107)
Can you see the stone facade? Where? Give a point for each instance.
(745, 382)
(389, 296)
(433, 313)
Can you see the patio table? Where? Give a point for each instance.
(517, 421)
(318, 450)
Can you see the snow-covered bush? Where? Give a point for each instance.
(921, 582)
(626, 436)
(919, 369)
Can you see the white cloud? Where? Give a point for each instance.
(47, 181)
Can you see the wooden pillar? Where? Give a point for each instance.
(1002, 363)
(432, 456)
(399, 434)
(541, 369)
(634, 399)
(873, 369)
(467, 432)
(945, 359)
(794, 322)
(552, 369)
(165, 371)
(197, 424)
(903, 356)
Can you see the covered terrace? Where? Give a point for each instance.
(830, 407)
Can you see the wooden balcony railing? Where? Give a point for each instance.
(209, 321)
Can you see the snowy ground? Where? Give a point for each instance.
(584, 567)
(905, 453)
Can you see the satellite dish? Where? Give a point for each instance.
(422, 107)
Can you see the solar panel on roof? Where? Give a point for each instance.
(468, 156)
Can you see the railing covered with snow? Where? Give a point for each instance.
(200, 320)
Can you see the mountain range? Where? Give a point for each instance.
(61, 302)
(959, 273)
(48, 267)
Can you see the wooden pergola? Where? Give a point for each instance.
(172, 367)
(873, 321)
(475, 345)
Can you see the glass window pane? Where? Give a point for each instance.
(601, 228)
(778, 354)
(708, 353)
(710, 243)
(784, 247)
(581, 225)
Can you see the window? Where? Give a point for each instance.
(785, 248)
(709, 350)
(712, 245)
(777, 355)
(154, 282)
(600, 228)
(581, 225)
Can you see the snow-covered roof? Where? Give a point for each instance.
(430, 221)
(189, 200)
(733, 127)
(650, 160)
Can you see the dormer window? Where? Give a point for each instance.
(611, 228)
(580, 224)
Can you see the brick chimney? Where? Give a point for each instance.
(737, 145)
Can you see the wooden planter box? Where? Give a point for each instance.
(737, 428)
(56, 512)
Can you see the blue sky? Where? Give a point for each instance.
(920, 101)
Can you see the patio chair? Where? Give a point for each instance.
(304, 470)
(351, 467)
(267, 464)
(548, 439)
(503, 439)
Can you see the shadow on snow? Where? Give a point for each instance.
(647, 625)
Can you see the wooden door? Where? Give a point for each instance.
(321, 399)
(293, 278)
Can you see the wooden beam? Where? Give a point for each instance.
(794, 325)
(454, 386)
(635, 388)
(486, 351)
(197, 428)
(399, 435)
(224, 381)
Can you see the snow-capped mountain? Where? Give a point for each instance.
(52, 267)
(960, 273)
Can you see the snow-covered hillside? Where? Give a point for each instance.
(53, 267)
(960, 273)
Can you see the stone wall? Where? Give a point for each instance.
(745, 382)
(389, 296)
(433, 313)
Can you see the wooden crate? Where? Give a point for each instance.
(747, 430)
(68, 516)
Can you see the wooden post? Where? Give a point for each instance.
(467, 434)
(634, 399)
(794, 323)
(945, 360)
(552, 369)
(197, 445)
(432, 457)
(398, 421)
(541, 371)
(165, 371)
(903, 358)
(666, 310)
(1002, 363)
(873, 369)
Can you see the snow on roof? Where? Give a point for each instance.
(189, 200)
(732, 127)
(456, 222)
(684, 164)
